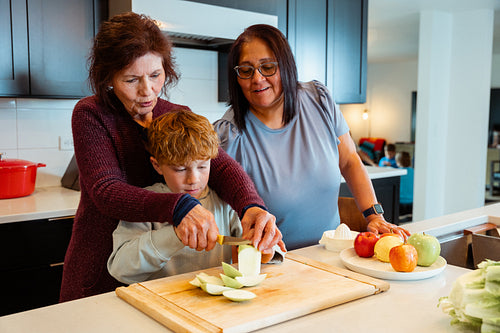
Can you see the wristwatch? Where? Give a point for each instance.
(375, 209)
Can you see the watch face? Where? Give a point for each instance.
(378, 209)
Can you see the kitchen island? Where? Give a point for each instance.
(408, 306)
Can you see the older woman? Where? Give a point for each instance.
(292, 140)
(130, 65)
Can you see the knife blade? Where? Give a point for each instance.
(230, 240)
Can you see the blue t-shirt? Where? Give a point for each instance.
(384, 159)
(295, 168)
(406, 187)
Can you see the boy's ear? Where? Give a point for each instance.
(155, 164)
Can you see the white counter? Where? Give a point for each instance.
(43, 203)
(408, 306)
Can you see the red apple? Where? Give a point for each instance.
(403, 258)
(364, 244)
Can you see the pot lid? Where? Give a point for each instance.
(6, 163)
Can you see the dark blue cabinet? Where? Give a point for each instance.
(328, 38)
(45, 45)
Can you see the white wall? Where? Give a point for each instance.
(31, 129)
(388, 101)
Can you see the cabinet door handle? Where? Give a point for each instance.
(57, 264)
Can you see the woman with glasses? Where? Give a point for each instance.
(130, 65)
(292, 139)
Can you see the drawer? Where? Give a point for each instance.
(34, 243)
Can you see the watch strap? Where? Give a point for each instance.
(375, 209)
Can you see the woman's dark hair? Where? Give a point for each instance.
(119, 42)
(286, 65)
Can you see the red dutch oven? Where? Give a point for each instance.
(17, 177)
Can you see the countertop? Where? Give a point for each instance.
(43, 203)
(54, 202)
(408, 306)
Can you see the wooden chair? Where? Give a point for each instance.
(350, 214)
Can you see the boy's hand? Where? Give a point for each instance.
(198, 229)
(259, 226)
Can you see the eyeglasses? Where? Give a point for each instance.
(266, 69)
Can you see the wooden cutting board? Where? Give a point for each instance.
(296, 287)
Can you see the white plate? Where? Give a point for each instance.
(382, 270)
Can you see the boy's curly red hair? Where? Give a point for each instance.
(181, 137)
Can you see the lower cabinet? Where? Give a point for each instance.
(387, 191)
(32, 255)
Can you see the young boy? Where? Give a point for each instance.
(388, 159)
(182, 144)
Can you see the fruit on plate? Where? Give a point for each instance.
(403, 258)
(391, 234)
(364, 244)
(384, 245)
(427, 246)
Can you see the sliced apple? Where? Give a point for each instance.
(214, 289)
(195, 282)
(230, 282)
(249, 259)
(250, 281)
(238, 295)
(230, 270)
(204, 278)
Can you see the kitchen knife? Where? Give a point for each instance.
(230, 240)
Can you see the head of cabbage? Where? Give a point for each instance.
(474, 299)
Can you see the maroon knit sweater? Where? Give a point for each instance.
(114, 167)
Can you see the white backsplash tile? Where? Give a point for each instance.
(8, 131)
(7, 103)
(41, 128)
(196, 64)
(56, 162)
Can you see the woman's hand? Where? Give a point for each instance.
(378, 225)
(198, 229)
(259, 226)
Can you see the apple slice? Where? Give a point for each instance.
(205, 278)
(249, 259)
(195, 282)
(238, 295)
(250, 281)
(214, 289)
(231, 282)
(230, 271)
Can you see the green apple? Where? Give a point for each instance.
(428, 248)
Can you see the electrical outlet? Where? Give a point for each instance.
(65, 143)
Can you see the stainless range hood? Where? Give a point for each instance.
(194, 25)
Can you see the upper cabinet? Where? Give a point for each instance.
(45, 46)
(328, 39)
